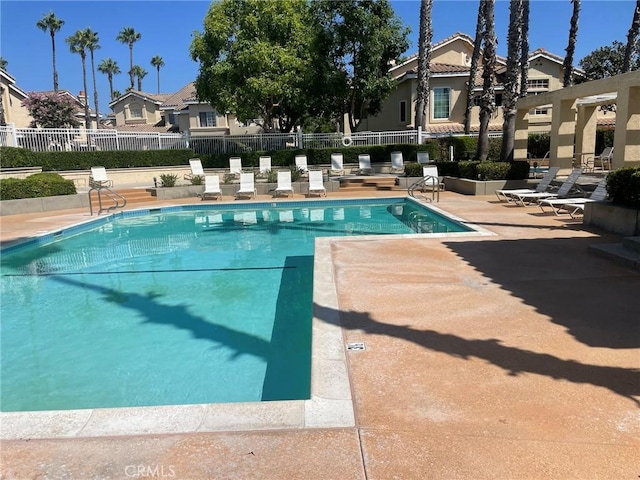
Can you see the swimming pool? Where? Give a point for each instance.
(177, 306)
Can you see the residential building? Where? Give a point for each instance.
(12, 98)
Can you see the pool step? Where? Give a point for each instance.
(360, 184)
(626, 253)
(134, 196)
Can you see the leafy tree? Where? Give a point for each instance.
(78, 43)
(607, 61)
(109, 67)
(473, 71)
(632, 39)
(52, 24)
(359, 38)
(129, 36)
(51, 110)
(157, 62)
(139, 73)
(487, 98)
(92, 45)
(256, 60)
(571, 47)
(424, 58)
(3, 63)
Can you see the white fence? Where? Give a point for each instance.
(59, 139)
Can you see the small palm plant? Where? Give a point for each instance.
(169, 179)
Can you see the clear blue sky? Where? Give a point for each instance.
(167, 26)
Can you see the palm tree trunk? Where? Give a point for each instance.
(87, 119)
(131, 64)
(487, 101)
(524, 49)
(55, 72)
(158, 68)
(632, 38)
(571, 47)
(511, 84)
(473, 70)
(110, 78)
(95, 91)
(424, 58)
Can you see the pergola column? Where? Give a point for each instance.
(521, 134)
(626, 145)
(563, 128)
(586, 124)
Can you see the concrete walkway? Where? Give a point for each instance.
(514, 356)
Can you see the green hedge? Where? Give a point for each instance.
(17, 157)
(475, 170)
(35, 186)
(623, 186)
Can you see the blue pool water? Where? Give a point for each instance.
(178, 306)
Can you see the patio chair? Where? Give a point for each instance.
(99, 178)
(265, 164)
(301, 164)
(235, 165)
(423, 157)
(364, 164)
(604, 159)
(337, 164)
(397, 162)
(212, 187)
(542, 186)
(247, 186)
(564, 190)
(432, 179)
(316, 185)
(284, 183)
(196, 169)
(566, 205)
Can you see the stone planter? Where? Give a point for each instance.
(612, 218)
(43, 204)
(471, 187)
(171, 193)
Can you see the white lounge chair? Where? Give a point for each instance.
(364, 164)
(212, 187)
(564, 190)
(247, 186)
(397, 162)
(604, 159)
(235, 165)
(337, 164)
(566, 205)
(284, 183)
(423, 157)
(196, 169)
(265, 164)
(432, 179)
(316, 185)
(99, 178)
(542, 186)
(301, 163)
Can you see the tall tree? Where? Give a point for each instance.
(608, 61)
(524, 50)
(473, 70)
(51, 110)
(571, 47)
(487, 98)
(632, 39)
(424, 58)
(93, 45)
(52, 24)
(109, 67)
(157, 62)
(139, 73)
(511, 84)
(3, 63)
(129, 36)
(78, 44)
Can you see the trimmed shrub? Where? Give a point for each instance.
(35, 186)
(13, 157)
(623, 186)
(413, 170)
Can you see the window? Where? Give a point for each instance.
(207, 119)
(171, 119)
(135, 110)
(403, 111)
(539, 111)
(538, 84)
(441, 103)
(498, 99)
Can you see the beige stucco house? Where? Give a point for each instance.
(450, 67)
(12, 97)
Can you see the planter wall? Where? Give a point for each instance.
(612, 218)
(471, 187)
(44, 204)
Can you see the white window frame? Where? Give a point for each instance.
(433, 103)
(135, 107)
(210, 119)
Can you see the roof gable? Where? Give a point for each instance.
(158, 99)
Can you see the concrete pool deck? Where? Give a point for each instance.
(507, 356)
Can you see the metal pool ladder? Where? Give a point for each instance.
(101, 188)
(434, 184)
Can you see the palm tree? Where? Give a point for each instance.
(571, 47)
(52, 24)
(139, 72)
(92, 45)
(487, 100)
(632, 38)
(473, 70)
(157, 62)
(424, 57)
(3, 63)
(116, 94)
(78, 44)
(511, 84)
(109, 67)
(129, 36)
(524, 49)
